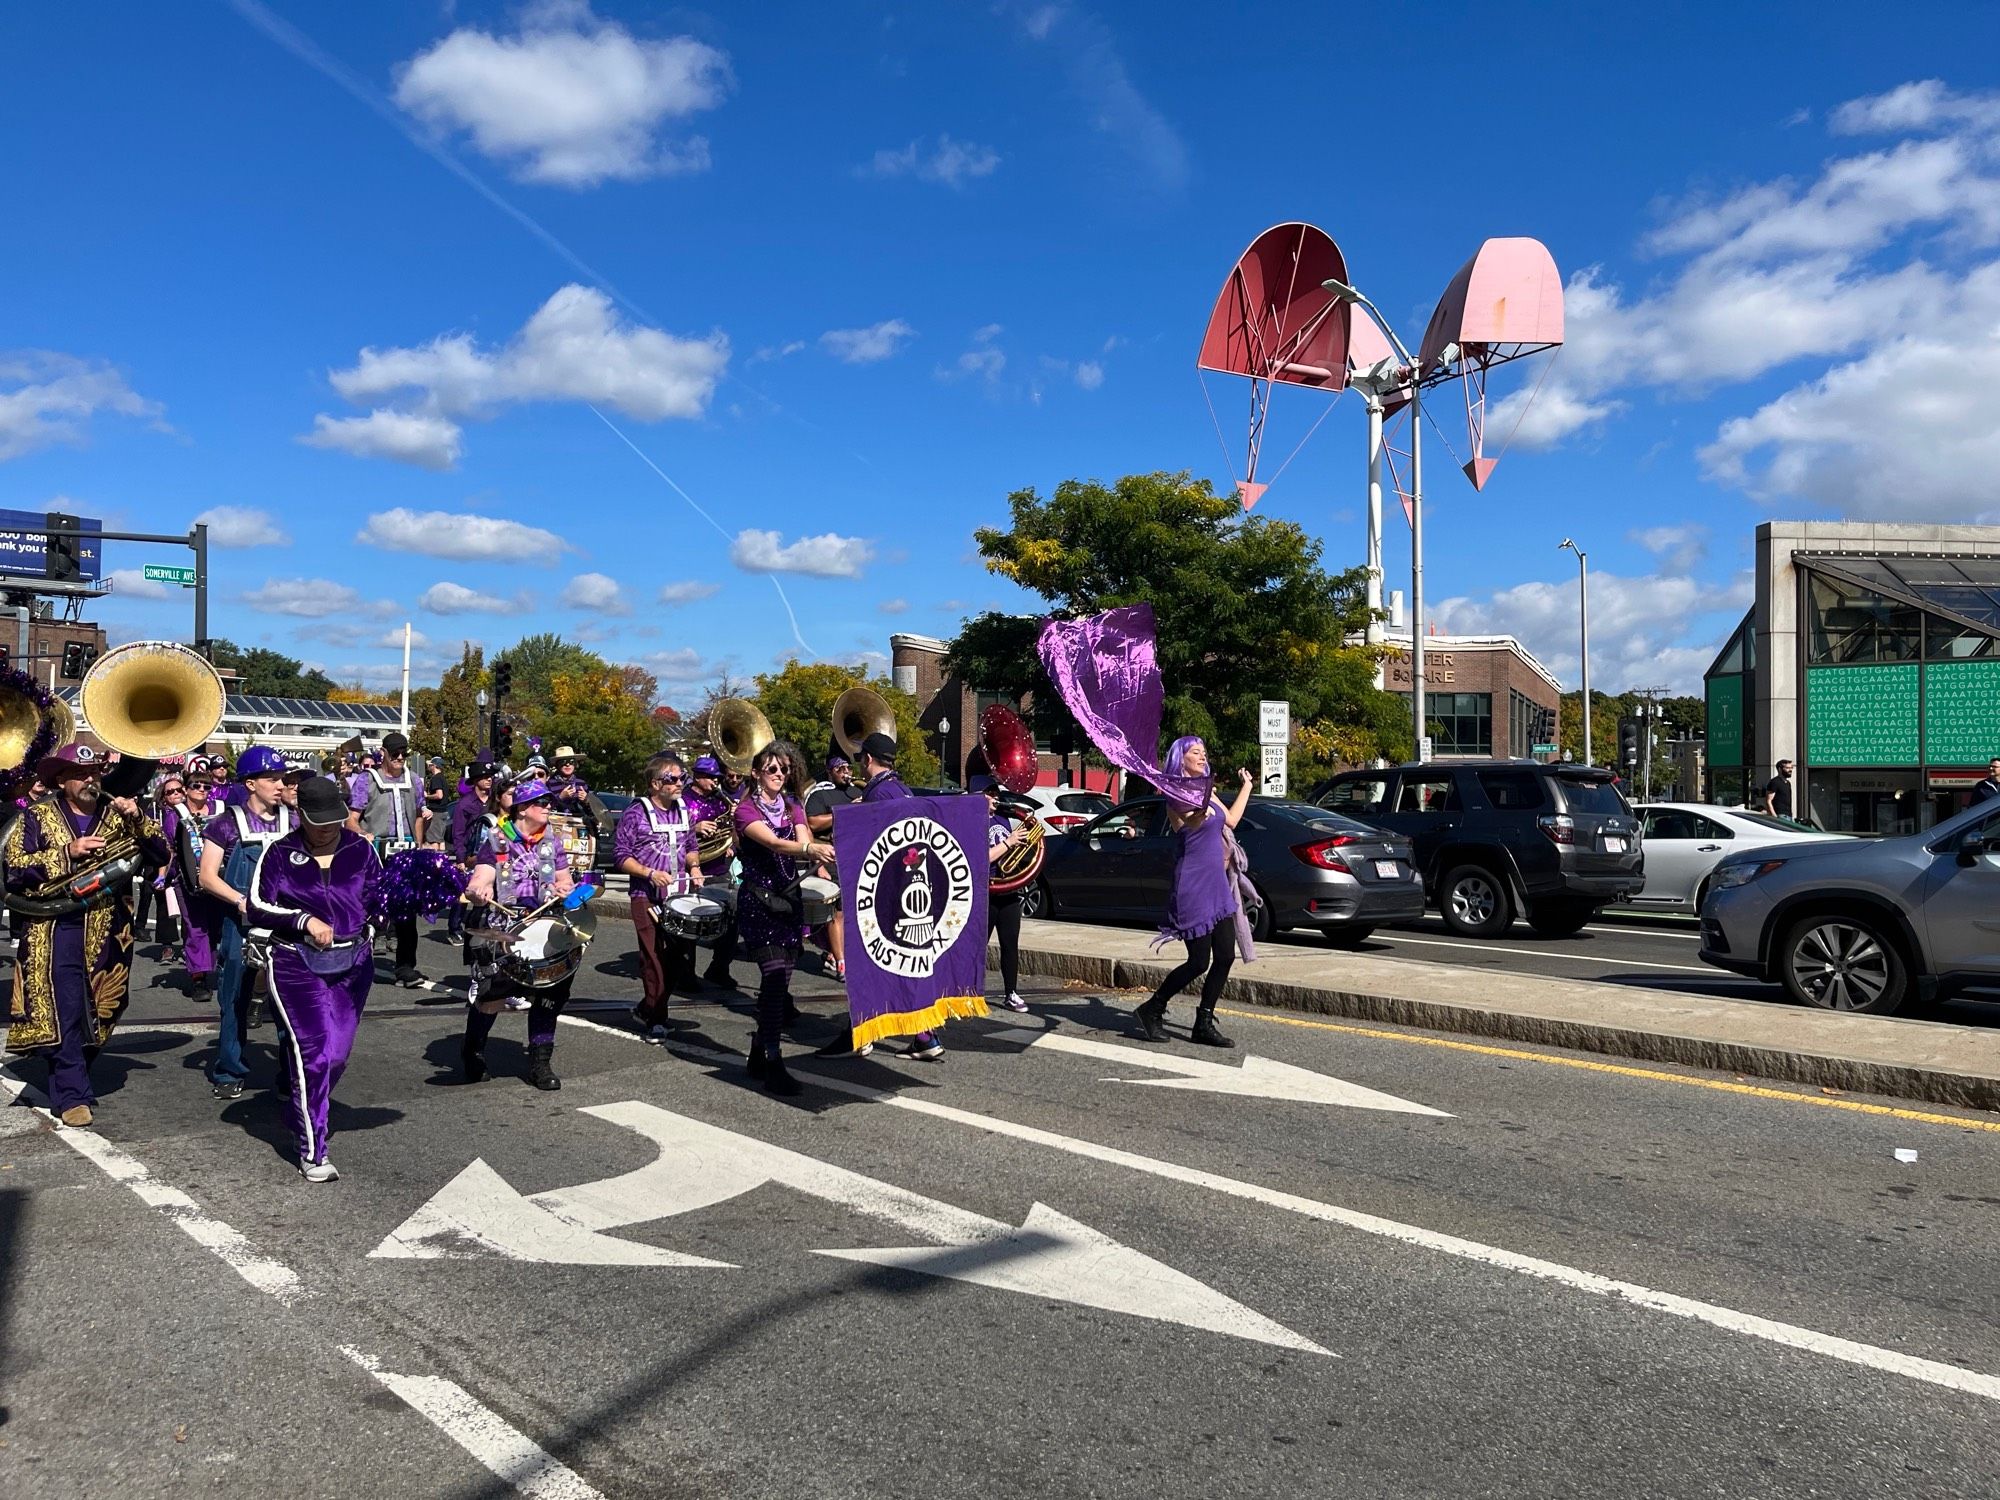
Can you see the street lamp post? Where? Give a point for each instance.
(1583, 607)
(1412, 374)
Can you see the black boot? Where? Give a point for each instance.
(473, 1060)
(1204, 1029)
(777, 1079)
(1147, 1022)
(540, 1074)
(253, 1014)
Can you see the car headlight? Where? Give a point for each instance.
(1731, 876)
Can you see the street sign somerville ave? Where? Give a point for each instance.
(1274, 722)
(1275, 780)
(155, 573)
(1545, 750)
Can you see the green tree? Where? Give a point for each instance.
(594, 712)
(798, 700)
(264, 673)
(445, 720)
(1243, 607)
(536, 660)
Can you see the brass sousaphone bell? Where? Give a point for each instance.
(858, 713)
(1009, 747)
(738, 729)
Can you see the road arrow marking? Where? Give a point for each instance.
(1050, 1255)
(1257, 1078)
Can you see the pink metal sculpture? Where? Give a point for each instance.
(1274, 324)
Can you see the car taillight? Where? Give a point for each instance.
(1560, 827)
(1324, 854)
(1065, 820)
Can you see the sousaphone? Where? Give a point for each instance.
(1009, 747)
(738, 729)
(858, 713)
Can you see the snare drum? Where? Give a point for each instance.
(821, 899)
(696, 918)
(541, 954)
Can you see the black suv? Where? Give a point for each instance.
(1556, 843)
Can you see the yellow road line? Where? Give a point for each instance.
(1854, 1106)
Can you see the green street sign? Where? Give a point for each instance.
(154, 573)
(1545, 749)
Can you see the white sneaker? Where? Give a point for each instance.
(319, 1171)
(517, 1002)
(1014, 1002)
(656, 1036)
(925, 1046)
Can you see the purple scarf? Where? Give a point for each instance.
(1104, 668)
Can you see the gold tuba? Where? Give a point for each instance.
(151, 699)
(738, 729)
(858, 713)
(1009, 747)
(146, 700)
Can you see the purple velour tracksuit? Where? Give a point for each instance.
(318, 994)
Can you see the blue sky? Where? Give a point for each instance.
(351, 278)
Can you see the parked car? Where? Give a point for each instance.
(1685, 841)
(1864, 924)
(609, 807)
(1496, 838)
(1067, 806)
(1313, 869)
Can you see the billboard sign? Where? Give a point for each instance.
(23, 554)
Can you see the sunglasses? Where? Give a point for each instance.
(668, 780)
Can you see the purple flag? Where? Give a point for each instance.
(913, 903)
(1104, 668)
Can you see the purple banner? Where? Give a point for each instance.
(913, 902)
(1104, 668)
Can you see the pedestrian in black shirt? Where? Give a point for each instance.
(1778, 792)
(1989, 787)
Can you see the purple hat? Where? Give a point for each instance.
(534, 789)
(834, 761)
(708, 765)
(68, 759)
(259, 760)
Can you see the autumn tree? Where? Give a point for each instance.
(1243, 608)
(594, 711)
(798, 700)
(445, 720)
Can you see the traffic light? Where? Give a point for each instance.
(76, 659)
(503, 678)
(503, 739)
(1628, 741)
(64, 553)
(1063, 741)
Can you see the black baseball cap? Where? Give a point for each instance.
(321, 802)
(393, 743)
(879, 747)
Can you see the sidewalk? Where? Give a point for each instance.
(1911, 1059)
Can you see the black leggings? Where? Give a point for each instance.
(774, 994)
(1214, 951)
(1003, 916)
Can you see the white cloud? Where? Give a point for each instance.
(576, 347)
(310, 599)
(863, 346)
(461, 537)
(893, 606)
(1089, 374)
(427, 442)
(132, 583)
(595, 591)
(827, 556)
(688, 591)
(241, 526)
(48, 398)
(1112, 103)
(983, 361)
(683, 665)
(776, 351)
(349, 634)
(1923, 105)
(569, 99)
(1655, 631)
(456, 599)
(953, 163)
(1679, 548)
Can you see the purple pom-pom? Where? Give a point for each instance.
(418, 883)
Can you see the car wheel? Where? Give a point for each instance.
(1843, 963)
(1476, 902)
(1346, 937)
(1038, 900)
(1560, 918)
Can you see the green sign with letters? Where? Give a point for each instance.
(1725, 720)
(154, 573)
(1861, 716)
(1961, 712)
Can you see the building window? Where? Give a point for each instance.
(1853, 624)
(1460, 723)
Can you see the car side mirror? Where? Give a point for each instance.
(1970, 851)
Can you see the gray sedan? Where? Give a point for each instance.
(1314, 869)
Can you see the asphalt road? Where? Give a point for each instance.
(1069, 1270)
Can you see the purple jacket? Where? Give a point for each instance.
(885, 786)
(289, 886)
(465, 816)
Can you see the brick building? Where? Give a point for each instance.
(1481, 693)
(949, 708)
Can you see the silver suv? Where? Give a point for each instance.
(1864, 925)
